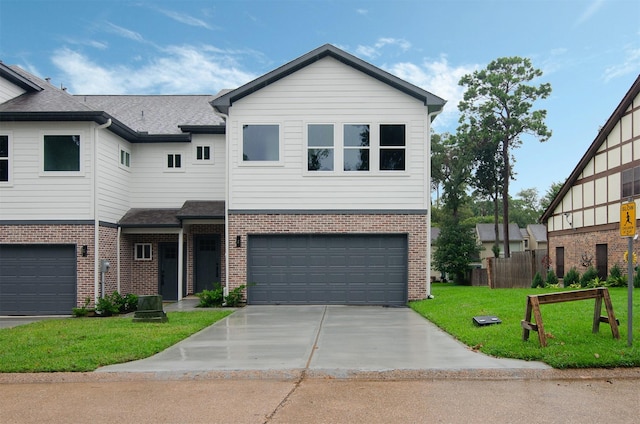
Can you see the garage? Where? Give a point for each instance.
(37, 279)
(368, 269)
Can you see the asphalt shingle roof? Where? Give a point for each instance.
(486, 232)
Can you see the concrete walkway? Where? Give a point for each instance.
(330, 340)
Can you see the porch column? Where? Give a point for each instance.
(180, 261)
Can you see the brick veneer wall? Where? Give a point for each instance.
(584, 242)
(108, 246)
(79, 235)
(414, 225)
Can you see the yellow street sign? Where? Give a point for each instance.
(628, 219)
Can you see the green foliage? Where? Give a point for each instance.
(211, 298)
(589, 275)
(572, 277)
(636, 280)
(615, 278)
(537, 282)
(454, 250)
(115, 303)
(235, 297)
(552, 279)
(84, 310)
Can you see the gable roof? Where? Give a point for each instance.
(225, 101)
(486, 233)
(16, 78)
(538, 232)
(595, 145)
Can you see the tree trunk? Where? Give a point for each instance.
(505, 196)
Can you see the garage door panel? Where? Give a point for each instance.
(327, 269)
(37, 279)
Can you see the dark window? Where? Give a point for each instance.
(260, 143)
(174, 161)
(143, 251)
(356, 147)
(631, 182)
(125, 158)
(4, 158)
(62, 153)
(320, 147)
(203, 153)
(392, 147)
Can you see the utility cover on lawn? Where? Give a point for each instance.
(486, 320)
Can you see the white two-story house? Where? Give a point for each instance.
(308, 185)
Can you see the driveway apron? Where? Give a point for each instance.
(319, 338)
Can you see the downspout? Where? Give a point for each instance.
(96, 215)
(430, 117)
(225, 290)
(118, 257)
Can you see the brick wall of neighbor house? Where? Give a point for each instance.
(412, 224)
(79, 235)
(108, 246)
(199, 229)
(578, 243)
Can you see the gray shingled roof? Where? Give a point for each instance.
(191, 209)
(199, 209)
(156, 114)
(538, 232)
(486, 232)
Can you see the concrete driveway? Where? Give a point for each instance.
(332, 340)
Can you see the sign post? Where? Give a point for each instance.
(628, 229)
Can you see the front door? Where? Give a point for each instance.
(602, 261)
(560, 262)
(207, 262)
(168, 270)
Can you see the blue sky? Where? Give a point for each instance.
(589, 51)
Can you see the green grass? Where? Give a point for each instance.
(84, 344)
(570, 342)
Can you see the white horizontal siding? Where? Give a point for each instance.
(9, 90)
(113, 181)
(327, 92)
(34, 195)
(153, 186)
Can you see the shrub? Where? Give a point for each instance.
(235, 297)
(551, 280)
(572, 278)
(537, 281)
(84, 310)
(108, 305)
(129, 303)
(211, 298)
(636, 280)
(589, 275)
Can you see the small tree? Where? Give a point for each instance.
(455, 248)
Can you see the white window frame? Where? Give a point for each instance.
(334, 148)
(8, 159)
(173, 168)
(279, 162)
(202, 146)
(144, 257)
(122, 149)
(371, 148)
(380, 147)
(80, 172)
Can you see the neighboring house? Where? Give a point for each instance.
(583, 219)
(536, 237)
(308, 184)
(486, 236)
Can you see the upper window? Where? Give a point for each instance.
(320, 147)
(392, 147)
(631, 182)
(4, 158)
(62, 153)
(260, 143)
(125, 158)
(203, 153)
(174, 161)
(356, 147)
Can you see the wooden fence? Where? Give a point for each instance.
(518, 270)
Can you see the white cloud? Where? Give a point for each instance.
(630, 64)
(362, 11)
(372, 52)
(123, 32)
(440, 78)
(184, 18)
(591, 10)
(177, 70)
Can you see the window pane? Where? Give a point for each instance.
(320, 135)
(4, 170)
(320, 160)
(62, 153)
(4, 146)
(127, 158)
(636, 180)
(627, 183)
(392, 135)
(356, 135)
(170, 161)
(199, 153)
(392, 159)
(178, 161)
(207, 152)
(356, 159)
(260, 143)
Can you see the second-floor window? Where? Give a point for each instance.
(260, 143)
(125, 158)
(4, 158)
(392, 147)
(320, 147)
(630, 182)
(174, 161)
(356, 147)
(203, 153)
(61, 153)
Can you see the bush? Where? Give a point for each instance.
(551, 280)
(115, 303)
(211, 298)
(572, 278)
(84, 310)
(589, 275)
(636, 280)
(537, 281)
(235, 297)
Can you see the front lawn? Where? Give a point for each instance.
(84, 344)
(571, 344)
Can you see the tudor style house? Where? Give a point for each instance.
(307, 185)
(583, 220)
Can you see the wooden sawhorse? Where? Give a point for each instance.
(535, 300)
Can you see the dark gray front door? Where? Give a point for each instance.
(602, 261)
(207, 262)
(560, 262)
(327, 269)
(168, 270)
(37, 279)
